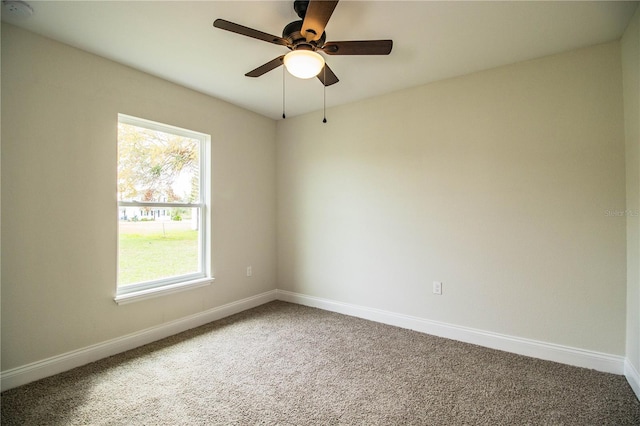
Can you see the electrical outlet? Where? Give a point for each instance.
(249, 271)
(437, 287)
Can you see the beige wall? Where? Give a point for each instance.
(59, 218)
(496, 183)
(631, 78)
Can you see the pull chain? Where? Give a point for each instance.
(324, 92)
(283, 97)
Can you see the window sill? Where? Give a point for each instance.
(136, 296)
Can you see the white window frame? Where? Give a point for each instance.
(147, 289)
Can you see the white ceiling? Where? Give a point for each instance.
(176, 40)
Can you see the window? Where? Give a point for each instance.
(162, 208)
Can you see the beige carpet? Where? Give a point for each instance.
(284, 364)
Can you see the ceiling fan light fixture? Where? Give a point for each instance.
(303, 63)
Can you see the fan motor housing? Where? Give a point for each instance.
(292, 33)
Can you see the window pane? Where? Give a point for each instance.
(157, 243)
(157, 166)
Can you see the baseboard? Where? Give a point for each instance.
(57, 364)
(548, 351)
(542, 350)
(633, 377)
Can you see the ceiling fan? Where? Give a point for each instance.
(305, 38)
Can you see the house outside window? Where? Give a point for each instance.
(163, 205)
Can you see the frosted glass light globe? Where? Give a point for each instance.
(303, 63)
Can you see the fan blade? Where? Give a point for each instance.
(263, 69)
(365, 47)
(327, 77)
(316, 18)
(249, 32)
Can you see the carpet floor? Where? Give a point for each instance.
(286, 364)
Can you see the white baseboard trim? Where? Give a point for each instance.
(548, 351)
(59, 363)
(633, 377)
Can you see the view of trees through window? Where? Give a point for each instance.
(159, 205)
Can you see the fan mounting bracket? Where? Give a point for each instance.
(300, 6)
